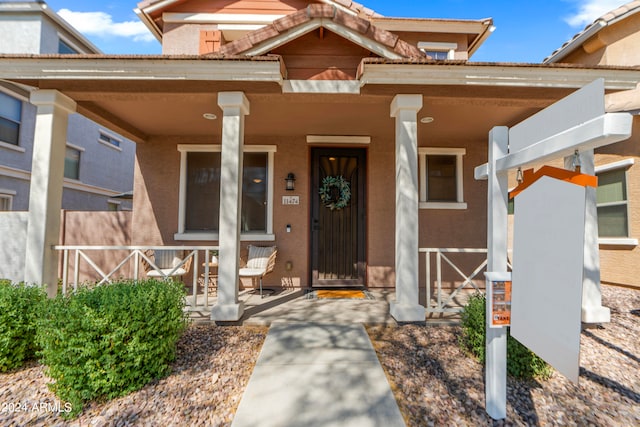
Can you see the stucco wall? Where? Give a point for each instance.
(13, 229)
(621, 264)
(617, 44)
(102, 164)
(17, 33)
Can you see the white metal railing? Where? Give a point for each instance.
(133, 259)
(443, 302)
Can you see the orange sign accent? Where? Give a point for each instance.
(529, 177)
(501, 303)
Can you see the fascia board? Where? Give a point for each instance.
(494, 75)
(431, 25)
(140, 69)
(220, 18)
(353, 36)
(149, 23)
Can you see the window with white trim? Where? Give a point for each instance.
(72, 162)
(612, 202)
(200, 192)
(105, 138)
(10, 119)
(438, 50)
(441, 178)
(6, 200)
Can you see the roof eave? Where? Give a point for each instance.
(493, 74)
(149, 23)
(482, 37)
(576, 42)
(29, 68)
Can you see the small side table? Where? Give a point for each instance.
(213, 278)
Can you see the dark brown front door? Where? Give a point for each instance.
(338, 217)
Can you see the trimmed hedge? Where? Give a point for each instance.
(521, 362)
(20, 307)
(108, 341)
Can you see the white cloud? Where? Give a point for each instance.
(101, 24)
(590, 10)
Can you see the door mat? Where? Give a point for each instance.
(339, 294)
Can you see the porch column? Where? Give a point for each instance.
(45, 197)
(592, 309)
(406, 307)
(235, 106)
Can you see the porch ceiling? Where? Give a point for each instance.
(140, 110)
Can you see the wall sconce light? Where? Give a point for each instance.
(290, 179)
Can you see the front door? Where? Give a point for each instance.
(338, 217)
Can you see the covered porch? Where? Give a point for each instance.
(404, 119)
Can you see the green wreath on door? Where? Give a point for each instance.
(335, 192)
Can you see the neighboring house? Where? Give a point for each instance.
(347, 139)
(614, 40)
(98, 162)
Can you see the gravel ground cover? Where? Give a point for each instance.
(436, 384)
(433, 381)
(208, 378)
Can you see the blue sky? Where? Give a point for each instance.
(526, 31)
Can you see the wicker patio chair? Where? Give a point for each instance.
(260, 261)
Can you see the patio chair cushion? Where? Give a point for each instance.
(251, 272)
(167, 272)
(167, 259)
(258, 257)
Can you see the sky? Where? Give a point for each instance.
(526, 31)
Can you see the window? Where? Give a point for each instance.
(441, 178)
(10, 119)
(109, 140)
(438, 50)
(439, 55)
(65, 48)
(113, 206)
(72, 163)
(611, 199)
(200, 192)
(6, 199)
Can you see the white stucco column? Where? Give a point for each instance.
(45, 197)
(592, 309)
(235, 107)
(406, 307)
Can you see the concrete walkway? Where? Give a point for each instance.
(315, 374)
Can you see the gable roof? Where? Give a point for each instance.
(592, 29)
(150, 11)
(358, 30)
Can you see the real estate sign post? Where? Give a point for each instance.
(577, 122)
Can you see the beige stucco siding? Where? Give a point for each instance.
(621, 264)
(616, 44)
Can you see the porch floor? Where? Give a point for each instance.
(292, 305)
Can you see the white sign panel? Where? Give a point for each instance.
(579, 107)
(548, 259)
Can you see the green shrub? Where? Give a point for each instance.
(521, 362)
(20, 307)
(108, 341)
